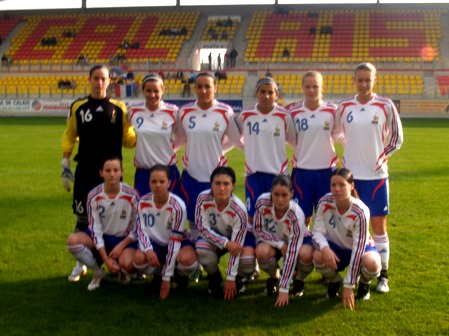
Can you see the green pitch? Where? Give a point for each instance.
(35, 297)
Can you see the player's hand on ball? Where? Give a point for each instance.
(67, 175)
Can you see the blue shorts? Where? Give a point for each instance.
(345, 254)
(142, 180)
(109, 243)
(255, 185)
(250, 240)
(374, 193)
(309, 186)
(190, 189)
(308, 241)
(161, 250)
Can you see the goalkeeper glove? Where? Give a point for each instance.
(67, 175)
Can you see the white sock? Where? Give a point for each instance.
(270, 266)
(82, 254)
(383, 247)
(187, 270)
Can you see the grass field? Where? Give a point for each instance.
(36, 299)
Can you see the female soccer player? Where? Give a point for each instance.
(371, 131)
(100, 124)
(110, 238)
(221, 220)
(281, 233)
(209, 130)
(341, 233)
(314, 158)
(155, 125)
(160, 229)
(265, 130)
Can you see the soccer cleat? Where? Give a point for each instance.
(96, 280)
(155, 284)
(79, 271)
(123, 277)
(182, 282)
(215, 281)
(240, 284)
(271, 286)
(332, 289)
(382, 283)
(197, 275)
(138, 276)
(363, 291)
(298, 288)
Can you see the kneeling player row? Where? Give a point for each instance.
(149, 236)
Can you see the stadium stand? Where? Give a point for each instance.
(7, 24)
(344, 35)
(406, 45)
(101, 37)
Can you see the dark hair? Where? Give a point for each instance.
(347, 175)
(223, 171)
(206, 74)
(152, 78)
(282, 180)
(162, 168)
(112, 158)
(98, 66)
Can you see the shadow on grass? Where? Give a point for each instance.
(54, 306)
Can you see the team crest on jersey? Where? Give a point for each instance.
(113, 117)
(348, 233)
(217, 126)
(375, 120)
(326, 125)
(164, 125)
(169, 224)
(277, 131)
(123, 214)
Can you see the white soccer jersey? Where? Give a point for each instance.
(209, 134)
(370, 132)
(264, 139)
(349, 231)
(289, 230)
(164, 226)
(219, 227)
(155, 132)
(114, 217)
(315, 144)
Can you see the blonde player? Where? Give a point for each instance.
(155, 124)
(371, 131)
(281, 233)
(314, 158)
(110, 238)
(161, 226)
(341, 233)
